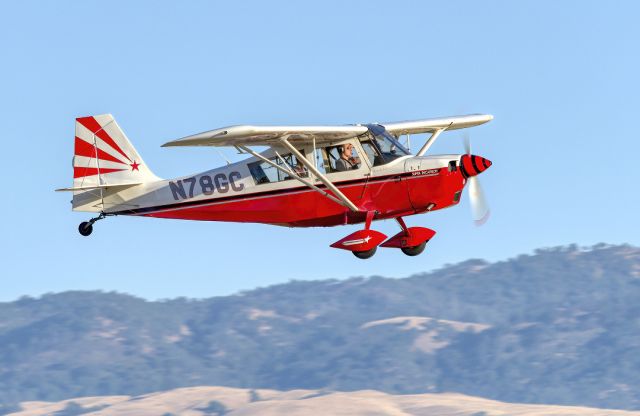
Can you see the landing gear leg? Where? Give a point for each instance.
(369, 218)
(86, 227)
(403, 225)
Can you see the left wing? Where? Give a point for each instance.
(268, 135)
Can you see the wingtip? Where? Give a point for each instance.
(485, 117)
(172, 143)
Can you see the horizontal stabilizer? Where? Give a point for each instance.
(89, 187)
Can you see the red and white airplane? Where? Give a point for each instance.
(309, 176)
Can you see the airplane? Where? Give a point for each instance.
(309, 176)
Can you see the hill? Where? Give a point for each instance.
(560, 326)
(219, 401)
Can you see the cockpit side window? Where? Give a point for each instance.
(342, 158)
(263, 172)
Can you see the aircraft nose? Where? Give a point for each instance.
(472, 165)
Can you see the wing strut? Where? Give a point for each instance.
(293, 174)
(431, 140)
(345, 201)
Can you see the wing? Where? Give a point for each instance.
(268, 135)
(431, 125)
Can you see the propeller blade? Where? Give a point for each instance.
(479, 206)
(467, 143)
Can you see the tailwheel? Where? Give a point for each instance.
(367, 253)
(85, 228)
(415, 250)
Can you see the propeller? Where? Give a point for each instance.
(467, 143)
(479, 206)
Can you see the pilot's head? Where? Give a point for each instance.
(346, 150)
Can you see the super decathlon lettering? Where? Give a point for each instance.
(221, 183)
(430, 172)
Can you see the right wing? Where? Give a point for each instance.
(431, 125)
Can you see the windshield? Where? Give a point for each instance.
(381, 147)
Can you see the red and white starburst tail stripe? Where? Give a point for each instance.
(103, 155)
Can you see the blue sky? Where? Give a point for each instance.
(561, 79)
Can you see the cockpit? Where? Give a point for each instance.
(380, 146)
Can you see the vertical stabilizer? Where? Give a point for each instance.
(103, 155)
(105, 163)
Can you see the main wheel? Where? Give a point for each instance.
(365, 254)
(415, 250)
(85, 228)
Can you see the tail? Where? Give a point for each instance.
(103, 155)
(104, 161)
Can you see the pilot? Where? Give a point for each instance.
(300, 170)
(347, 161)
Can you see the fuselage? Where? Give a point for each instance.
(406, 186)
(383, 178)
